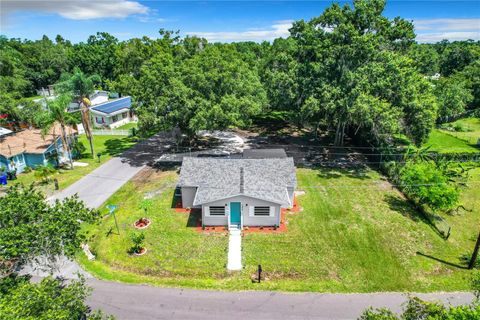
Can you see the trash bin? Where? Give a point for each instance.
(3, 179)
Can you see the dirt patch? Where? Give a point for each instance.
(277, 275)
(149, 174)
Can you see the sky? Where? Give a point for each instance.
(222, 21)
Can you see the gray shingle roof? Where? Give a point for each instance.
(217, 178)
(264, 153)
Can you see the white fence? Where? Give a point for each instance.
(110, 132)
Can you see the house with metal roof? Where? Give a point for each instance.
(113, 113)
(238, 192)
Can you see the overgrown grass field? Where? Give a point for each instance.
(355, 234)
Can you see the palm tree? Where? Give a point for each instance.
(81, 87)
(56, 113)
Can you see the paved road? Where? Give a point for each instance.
(141, 302)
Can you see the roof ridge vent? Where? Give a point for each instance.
(242, 181)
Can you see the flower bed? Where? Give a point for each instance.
(142, 223)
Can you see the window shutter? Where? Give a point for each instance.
(251, 211)
(206, 211)
(272, 211)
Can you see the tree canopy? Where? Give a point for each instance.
(350, 70)
(30, 227)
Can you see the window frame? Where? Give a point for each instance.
(271, 211)
(217, 214)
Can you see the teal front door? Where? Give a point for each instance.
(235, 212)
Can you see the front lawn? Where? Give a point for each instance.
(108, 146)
(355, 234)
(128, 126)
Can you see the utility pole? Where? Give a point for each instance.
(475, 253)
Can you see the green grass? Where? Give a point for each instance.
(108, 146)
(472, 130)
(445, 142)
(355, 234)
(128, 126)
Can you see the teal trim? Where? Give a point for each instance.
(35, 159)
(235, 212)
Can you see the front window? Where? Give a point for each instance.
(217, 211)
(115, 118)
(261, 211)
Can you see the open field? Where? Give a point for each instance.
(355, 234)
(108, 146)
(450, 141)
(470, 127)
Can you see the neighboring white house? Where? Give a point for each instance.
(238, 192)
(112, 113)
(98, 97)
(95, 98)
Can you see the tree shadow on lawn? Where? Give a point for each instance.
(407, 209)
(359, 172)
(114, 147)
(451, 264)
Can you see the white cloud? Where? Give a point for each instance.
(446, 24)
(434, 30)
(150, 19)
(451, 36)
(276, 30)
(75, 9)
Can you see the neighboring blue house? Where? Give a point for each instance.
(29, 148)
(113, 113)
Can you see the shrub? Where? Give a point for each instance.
(475, 284)
(417, 309)
(44, 172)
(27, 169)
(429, 185)
(137, 240)
(78, 148)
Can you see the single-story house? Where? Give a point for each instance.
(112, 113)
(238, 192)
(29, 148)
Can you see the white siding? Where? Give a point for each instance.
(248, 220)
(291, 194)
(188, 195)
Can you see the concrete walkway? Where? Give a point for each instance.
(139, 302)
(235, 250)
